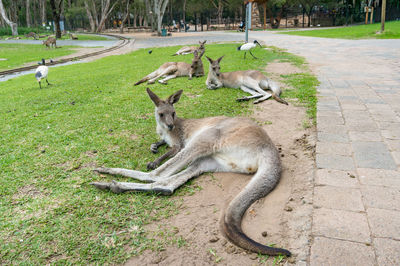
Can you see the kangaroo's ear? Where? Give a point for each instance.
(219, 59)
(204, 41)
(174, 98)
(156, 100)
(209, 59)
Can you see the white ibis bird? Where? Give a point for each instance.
(248, 47)
(42, 72)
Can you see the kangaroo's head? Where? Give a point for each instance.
(214, 66)
(202, 45)
(165, 111)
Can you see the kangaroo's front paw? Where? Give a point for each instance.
(153, 148)
(151, 166)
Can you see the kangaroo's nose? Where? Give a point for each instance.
(170, 127)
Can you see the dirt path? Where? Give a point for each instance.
(285, 214)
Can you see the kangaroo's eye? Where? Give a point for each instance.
(161, 114)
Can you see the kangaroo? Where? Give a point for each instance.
(51, 41)
(212, 144)
(31, 34)
(190, 49)
(251, 81)
(172, 70)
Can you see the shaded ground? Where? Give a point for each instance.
(285, 214)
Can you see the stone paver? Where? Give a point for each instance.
(340, 224)
(332, 252)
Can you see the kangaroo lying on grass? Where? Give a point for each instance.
(190, 49)
(172, 70)
(212, 144)
(51, 41)
(251, 81)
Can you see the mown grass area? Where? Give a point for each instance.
(92, 116)
(18, 54)
(370, 31)
(81, 37)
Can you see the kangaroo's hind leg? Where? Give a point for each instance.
(138, 175)
(253, 93)
(164, 80)
(164, 72)
(168, 185)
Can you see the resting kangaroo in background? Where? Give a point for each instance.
(251, 81)
(212, 144)
(190, 49)
(172, 70)
(50, 41)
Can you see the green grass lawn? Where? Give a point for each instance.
(81, 37)
(90, 116)
(19, 54)
(392, 31)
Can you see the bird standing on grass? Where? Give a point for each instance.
(248, 47)
(41, 73)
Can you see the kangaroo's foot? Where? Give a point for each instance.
(243, 99)
(163, 82)
(142, 176)
(121, 187)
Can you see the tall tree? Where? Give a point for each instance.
(156, 10)
(105, 12)
(90, 16)
(43, 17)
(28, 13)
(13, 25)
(124, 16)
(56, 9)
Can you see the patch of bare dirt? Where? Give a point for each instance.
(282, 218)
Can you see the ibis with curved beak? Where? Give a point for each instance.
(248, 47)
(42, 72)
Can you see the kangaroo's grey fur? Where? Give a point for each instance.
(190, 49)
(172, 70)
(251, 81)
(212, 144)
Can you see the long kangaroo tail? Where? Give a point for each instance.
(260, 185)
(142, 80)
(276, 91)
(146, 78)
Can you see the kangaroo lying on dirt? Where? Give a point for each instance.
(190, 49)
(251, 81)
(50, 41)
(212, 144)
(172, 70)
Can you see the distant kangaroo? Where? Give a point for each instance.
(251, 81)
(51, 41)
(31, 34)
(190, 49)
(212, 144)
(172, 70)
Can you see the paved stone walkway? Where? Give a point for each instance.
(356, 219)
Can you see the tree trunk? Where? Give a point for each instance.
(125, 17)
(91, 20)
(43, 17)
(56, 16)
(28, 13)
(184, 14)
(13, 25)
(105, 12)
